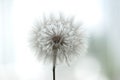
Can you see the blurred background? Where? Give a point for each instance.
(100, 19)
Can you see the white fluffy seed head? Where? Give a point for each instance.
(60, 34)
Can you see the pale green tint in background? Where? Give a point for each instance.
(100, 19)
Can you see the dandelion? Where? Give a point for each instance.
(57, 40)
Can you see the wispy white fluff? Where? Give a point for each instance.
(69, 39)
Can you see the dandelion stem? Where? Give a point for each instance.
(54, 62)
(53, 72)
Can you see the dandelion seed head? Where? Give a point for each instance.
(60, 34)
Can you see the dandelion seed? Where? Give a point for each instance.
(57, 39)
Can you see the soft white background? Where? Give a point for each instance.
(17, 62)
